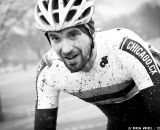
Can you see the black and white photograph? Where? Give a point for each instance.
(79, 64)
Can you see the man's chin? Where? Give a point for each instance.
(74, 67)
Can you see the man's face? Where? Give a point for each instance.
(72, 46)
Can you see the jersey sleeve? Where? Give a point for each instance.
(46, 60)
(47, 93)
(139, 62)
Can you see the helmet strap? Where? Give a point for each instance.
(46, 34)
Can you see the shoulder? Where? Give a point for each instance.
(132, 42)
(119, 33)
(53, 75)
(114, 37)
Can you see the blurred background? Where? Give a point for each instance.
(21, 47)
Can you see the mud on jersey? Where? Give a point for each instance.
(123, 66)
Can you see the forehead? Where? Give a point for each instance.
(64, 31)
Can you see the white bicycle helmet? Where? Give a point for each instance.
(55, 15)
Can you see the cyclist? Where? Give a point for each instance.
(115, 69)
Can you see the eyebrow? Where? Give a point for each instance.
(74, 30)
(52, 34)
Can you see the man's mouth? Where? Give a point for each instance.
(71, 57)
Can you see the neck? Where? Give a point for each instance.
(90, 63)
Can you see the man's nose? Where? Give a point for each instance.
(67, 46)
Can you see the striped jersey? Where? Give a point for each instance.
(124, 65)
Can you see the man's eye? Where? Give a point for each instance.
(72, 35)
(56, 39)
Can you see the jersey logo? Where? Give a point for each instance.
(143, 55)
(104, 61)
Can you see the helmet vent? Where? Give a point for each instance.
(44, 19)
(38, 10)
(56, 17)
(55, 4)
(85, 13)
(70, 15)
(65, 2)
(77, 2)
(45, 4)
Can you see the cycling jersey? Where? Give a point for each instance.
(123, 67)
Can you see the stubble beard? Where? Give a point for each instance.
(76, 66)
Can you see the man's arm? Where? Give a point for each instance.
(47, 100)
(45, 119)
(144, 70)
(151, 99)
